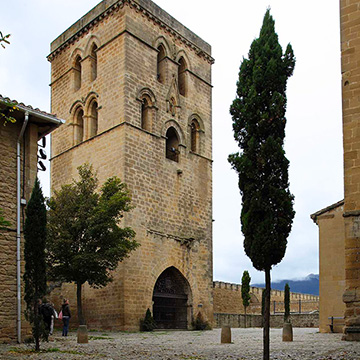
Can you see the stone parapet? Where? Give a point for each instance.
(276, 321)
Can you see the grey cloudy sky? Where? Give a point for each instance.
(313, 136)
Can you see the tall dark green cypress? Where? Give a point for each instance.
(245, 290)
(258, 114)
(35, 265)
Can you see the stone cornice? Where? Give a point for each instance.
(104, 9)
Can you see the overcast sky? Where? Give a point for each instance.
(313, 136)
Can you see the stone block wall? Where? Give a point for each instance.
(227, 299)
(350, 70)
(253, 320)
(331, 264)
(8, 249)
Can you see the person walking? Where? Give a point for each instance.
(66, 315)
(47, 310)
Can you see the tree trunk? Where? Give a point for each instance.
(79, 304)
(36, 325)
(245, 315)
(267, 316)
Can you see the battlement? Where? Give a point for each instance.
(275, 294)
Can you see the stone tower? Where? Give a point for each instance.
(350, 68)
(134, 86)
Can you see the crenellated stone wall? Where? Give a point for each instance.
(227, 299)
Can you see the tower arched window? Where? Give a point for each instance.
(77, 73)
(93, 57)
(182, 76)
(145, 114)
(161, 64)
(93, 125)
(194, 137)
(79, 126)
(172, 145)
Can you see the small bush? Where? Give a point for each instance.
(148, 323)
(200, 324)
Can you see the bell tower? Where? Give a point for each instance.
(134, 86)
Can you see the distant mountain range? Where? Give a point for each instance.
(309, 285)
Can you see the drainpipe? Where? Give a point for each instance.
(18, 226)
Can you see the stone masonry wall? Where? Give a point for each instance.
(227, 299)
(173, 200)
(8, 264)
(276, 321)
(350, 69)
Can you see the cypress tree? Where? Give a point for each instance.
(287, 303)
(258, 114)
(35, 265)
(245, 290)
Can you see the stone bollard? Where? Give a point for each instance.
(226, 335)
(287, 334)
(82, 335)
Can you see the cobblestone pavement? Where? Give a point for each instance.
(186, 345)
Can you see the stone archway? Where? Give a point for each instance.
(172, 300)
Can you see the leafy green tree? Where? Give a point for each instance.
(287, 302)
(258, 114)
(245, 290)
(6, 110)
(85, 241)
(3, 223)
(35, 265)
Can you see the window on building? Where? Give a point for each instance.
(93, 58)
(93, 128)
(79, 126)
(77, 73)
(194, 136)
(161, 64)
(182, 76)
(172, 145)
(145, 114)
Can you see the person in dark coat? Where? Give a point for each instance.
(66, 315)
(47, 312)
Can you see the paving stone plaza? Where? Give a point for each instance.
(185, 345)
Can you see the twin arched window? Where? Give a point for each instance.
(91, 66)
(85, 125)
(161, 70)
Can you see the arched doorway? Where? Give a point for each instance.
(172, 300)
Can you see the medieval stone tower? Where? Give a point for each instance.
(350, 56)
(134, 86)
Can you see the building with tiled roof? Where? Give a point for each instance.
(19, 164)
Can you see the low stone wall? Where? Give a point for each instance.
(276, 321)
